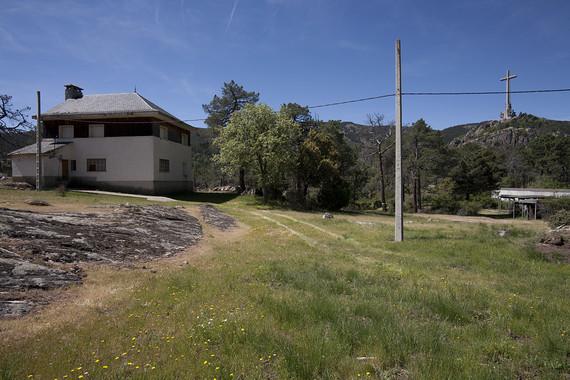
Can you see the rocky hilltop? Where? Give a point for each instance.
(516, 132)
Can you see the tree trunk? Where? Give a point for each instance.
(419, 192)
(299, 193)
(416, 174)
(265, 192)
(382, 181)
(242, 179)
(415, 193)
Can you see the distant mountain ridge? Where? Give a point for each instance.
(492, 133)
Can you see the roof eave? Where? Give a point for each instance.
(97, 115)
(175, 121)
(101, 116)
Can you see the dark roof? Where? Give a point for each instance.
(48, 145)
(108, 104)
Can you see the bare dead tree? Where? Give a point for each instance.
(382, 141)
(12, 120)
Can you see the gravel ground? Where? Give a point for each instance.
(216, 218)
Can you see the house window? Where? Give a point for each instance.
(73, 165)
(66, 131)
(96, 130)
(184, 139)
(163, 133)
(96, 165)
(164, 166)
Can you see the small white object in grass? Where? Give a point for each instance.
(328, 215)
(366, 358)
(502, 233)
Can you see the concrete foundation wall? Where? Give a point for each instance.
(47, 181)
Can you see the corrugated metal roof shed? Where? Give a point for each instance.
(532, 193)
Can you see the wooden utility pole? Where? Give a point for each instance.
(399, 221)
(38, 145)
(508, 108)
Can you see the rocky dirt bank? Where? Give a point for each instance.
(42, 251)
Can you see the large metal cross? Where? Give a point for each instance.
(508, 109)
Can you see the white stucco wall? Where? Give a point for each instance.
(24, 166)
(127, 158)
(177, 154)
(132, 162)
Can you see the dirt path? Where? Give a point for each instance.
(478, 219)
(314, 226)
(305, 238)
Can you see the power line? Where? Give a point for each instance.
(424, 93)
(486, 92)
(352, 101)
(452, 93)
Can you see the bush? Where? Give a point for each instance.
(441, 199)
(549, 207)
(334, 195)
(561, 217)
(469, 208)
(61, 190)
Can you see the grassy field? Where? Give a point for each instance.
(293, 296)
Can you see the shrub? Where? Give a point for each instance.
(549, 207)
(559, 218)
(469, 208)
(334, 195)
(441, 199)
(61, 190)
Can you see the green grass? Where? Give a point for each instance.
(454, 300)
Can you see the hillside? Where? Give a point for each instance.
(518, 131)
(359, 134)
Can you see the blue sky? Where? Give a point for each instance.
(178, 53)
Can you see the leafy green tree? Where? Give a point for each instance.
(478, 170)
(425, 156)
(259, 139)
(325, 162)
(302, 117)
(221, 108)
(549, 158)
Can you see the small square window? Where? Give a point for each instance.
(66, 131)
(164, 166)
(96, 165)
(96, 130)
(73, 165)
(163, 132)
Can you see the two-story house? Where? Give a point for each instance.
(120, 142)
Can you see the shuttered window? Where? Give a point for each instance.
(164, 166)
(96, 165)
(66, 131)
(96, 130)
(163, 132)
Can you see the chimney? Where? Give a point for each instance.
(73, 92)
